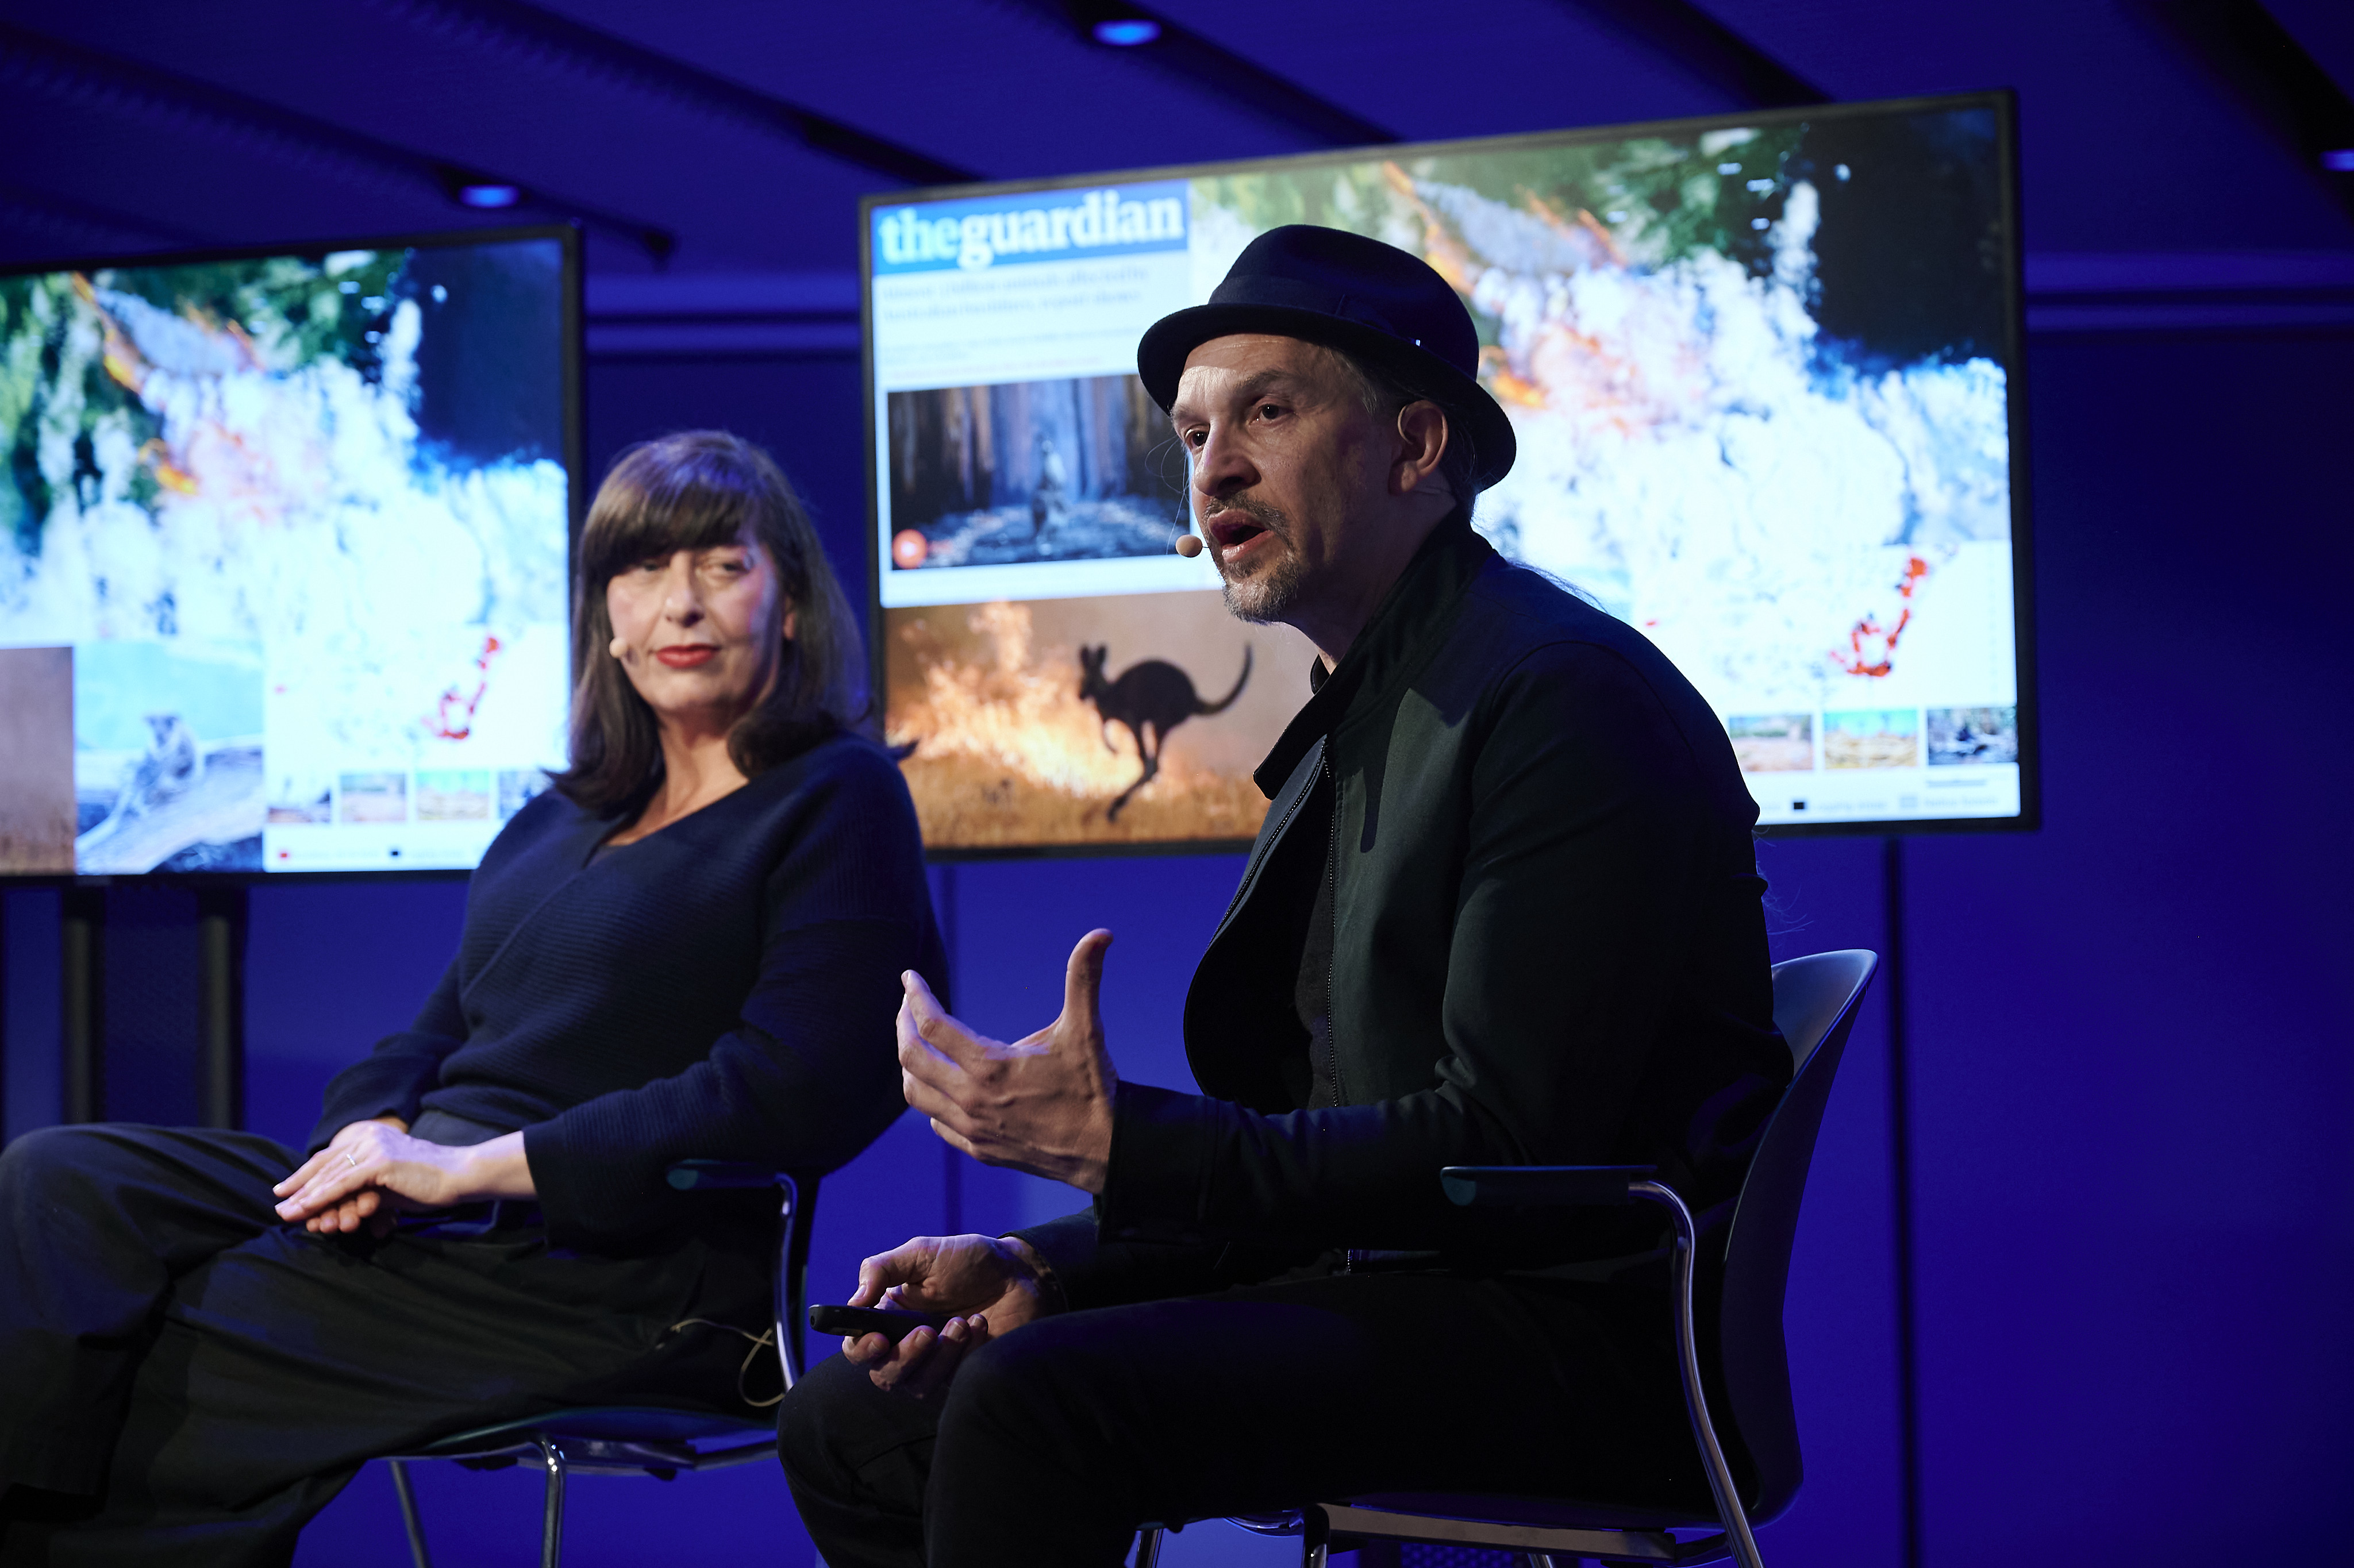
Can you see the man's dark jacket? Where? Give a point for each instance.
(1546, 947)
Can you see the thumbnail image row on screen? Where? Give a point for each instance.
(385, 795)
(1875, 737)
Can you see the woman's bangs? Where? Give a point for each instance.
(689, 516)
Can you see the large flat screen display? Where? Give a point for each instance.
(1764, 373)
(284, 542)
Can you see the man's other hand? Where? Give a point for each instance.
(993, 1285)
(1043, 1103)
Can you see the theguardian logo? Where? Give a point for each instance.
(1042, 226)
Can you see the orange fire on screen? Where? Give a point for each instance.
(1004, 751)
(1871, 647)
(204, 452)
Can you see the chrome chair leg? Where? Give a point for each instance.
(1712, 1453)
(551, 1535)
(1148, 1547)
(408, 1516)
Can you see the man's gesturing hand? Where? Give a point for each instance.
(1042, 1104)
(992, 1284)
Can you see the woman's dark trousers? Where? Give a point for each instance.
(184, 1380)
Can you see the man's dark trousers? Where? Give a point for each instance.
(216, 1377)
(1055, 1442)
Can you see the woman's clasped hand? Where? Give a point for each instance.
(372, 1170)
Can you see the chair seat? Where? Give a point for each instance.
(1526, 1525)
(1545, 1512)
(1537, 1524)
(613, 1440)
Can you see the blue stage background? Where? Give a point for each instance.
(2129, 1056)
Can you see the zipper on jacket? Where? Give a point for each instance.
(1350, 1257)
(1331, 932)
(1262, 851)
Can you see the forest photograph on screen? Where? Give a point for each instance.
(270, 525)
(1034, 471)
(1760, 378)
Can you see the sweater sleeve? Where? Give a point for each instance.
(809, 1074)
(392, 1078)
(1572, 908)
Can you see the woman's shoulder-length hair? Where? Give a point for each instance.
(695, 491)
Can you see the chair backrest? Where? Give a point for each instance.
(1815, 1001)
(799, 1222)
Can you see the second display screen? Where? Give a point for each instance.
(1760, 372)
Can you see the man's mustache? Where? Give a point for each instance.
(1259, 511)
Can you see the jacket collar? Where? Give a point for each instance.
(1417, 607)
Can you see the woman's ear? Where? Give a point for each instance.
(793, 621)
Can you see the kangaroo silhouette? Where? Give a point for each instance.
(1155, 696)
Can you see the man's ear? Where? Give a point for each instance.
(1422, 442)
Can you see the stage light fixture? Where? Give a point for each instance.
(1127, 32)
(2340, 159)
(490, 198)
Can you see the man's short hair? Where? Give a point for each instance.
(1384, 392)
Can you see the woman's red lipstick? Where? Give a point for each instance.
(687, 655)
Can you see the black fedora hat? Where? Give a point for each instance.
(1369, 299)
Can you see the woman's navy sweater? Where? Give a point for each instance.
(723, 988)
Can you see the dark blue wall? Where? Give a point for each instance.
(2129, 1067)
(2131, 1048)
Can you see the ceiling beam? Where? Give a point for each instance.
(2241, 45)
(530, 30)
(59, 214)
(1194, 59)
(37, 63)
(1697, 43)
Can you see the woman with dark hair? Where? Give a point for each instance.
(691, 949)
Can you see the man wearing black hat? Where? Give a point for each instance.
(1504, 910)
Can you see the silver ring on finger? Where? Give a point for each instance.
(348, 1156)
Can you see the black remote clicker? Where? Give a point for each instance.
(890, 1322)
